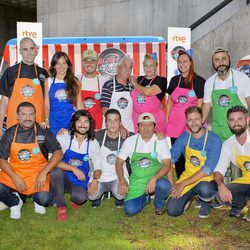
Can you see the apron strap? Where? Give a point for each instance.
(98, 83)
(205, 140)
(88, 147)
(70, 143)
(14, 138)
(155, 145)
(104, 139)
(114, 84)
(179, 81)
(136, 143)
(232, 79)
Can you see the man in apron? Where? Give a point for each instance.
(116, 93)
(202, 151)
(24, 150)
(223, 90)
(92, 84)
(22, 82)
(236, 149)
(72, 173)
(110, 141)
(150, 163)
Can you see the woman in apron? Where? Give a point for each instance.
(148, 93)
(185, 90)
(62, 93)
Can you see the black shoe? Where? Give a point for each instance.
(97, 203)
(119, 203)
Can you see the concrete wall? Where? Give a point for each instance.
(233, 34)
(9, 15)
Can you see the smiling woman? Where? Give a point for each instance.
(62, 91)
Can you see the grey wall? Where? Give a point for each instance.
(9, 15)
(229, 27)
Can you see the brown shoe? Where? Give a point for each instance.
(160, 211)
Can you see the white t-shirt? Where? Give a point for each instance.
(128, 147)
(228, 154)
(240, 80)
(91, 84)
(94, 149)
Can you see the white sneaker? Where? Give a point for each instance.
(2, 206)
(15, 211)
(39, 209)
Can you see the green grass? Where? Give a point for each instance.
(108, 228)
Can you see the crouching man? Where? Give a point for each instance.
(150, 162)
(236, 149)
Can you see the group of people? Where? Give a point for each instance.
(90, 135)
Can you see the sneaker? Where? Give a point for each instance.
(187, 206)
(119, 203)
(15, 211)
(62, 214)
(74, 205)
(217, 204)
(197, 204)
(204, 211)
(97, 203)
(160, 211)
(39, 209)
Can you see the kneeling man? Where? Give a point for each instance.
(202, 151)
(236, 149)
(150, 162)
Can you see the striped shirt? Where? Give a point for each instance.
(108, 89)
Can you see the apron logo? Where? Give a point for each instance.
(24, 155)
(111, 159)
(27, 91)
(89, 103)
(182, 99)
(247, 165)
(61, 95)
(35, 150)
(75, 162)
(144, 163)
(141, 99)
(195, 161)
(122, 103)
(223, 101)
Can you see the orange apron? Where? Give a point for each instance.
(27, 160)
(25, 90)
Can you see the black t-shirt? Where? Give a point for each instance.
(46, 140)
(161, 82)
(198, 85)
(27, 71)
(112, 144)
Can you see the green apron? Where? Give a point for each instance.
(222, 100)
(143, 167)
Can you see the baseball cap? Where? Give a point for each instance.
(220, 49)
(146, 117)
(90, 54)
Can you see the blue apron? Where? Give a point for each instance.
(61, 109)
(81, 161)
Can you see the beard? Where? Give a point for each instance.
(81, 133)
(239, 130)
(193, 131)
(222, 69)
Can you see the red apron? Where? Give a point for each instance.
(182, 99)
(92, 103)
(149, 104)
(25, 90)
(27, 160)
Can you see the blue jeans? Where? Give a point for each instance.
(240, 193)
(162, 190)
(10, 199)
(204, 190)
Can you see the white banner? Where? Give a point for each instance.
(34, 31)
(178, 39)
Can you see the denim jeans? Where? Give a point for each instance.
(204, 190)
(103, 187)
(240, 193)
(10, 199)
(60, 184)
(162, 190)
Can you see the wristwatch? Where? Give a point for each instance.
(97, 179)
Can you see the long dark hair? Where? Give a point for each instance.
(191, 75)
(76, 116)
(72, 88)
